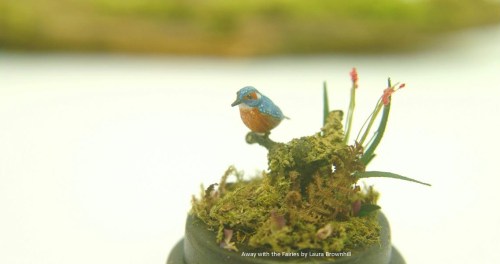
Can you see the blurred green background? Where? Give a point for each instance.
(236, 28)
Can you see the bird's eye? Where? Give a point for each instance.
(249, 97)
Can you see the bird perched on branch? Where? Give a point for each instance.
(257, 111)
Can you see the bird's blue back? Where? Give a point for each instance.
(267, 106)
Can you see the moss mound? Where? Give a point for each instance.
(309, 199)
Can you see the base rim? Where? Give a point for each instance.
(176, 256)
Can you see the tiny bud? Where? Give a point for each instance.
(354, 77)
(228, 234)
(227, 244)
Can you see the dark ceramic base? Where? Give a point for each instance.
(198, 247)
(177, 255)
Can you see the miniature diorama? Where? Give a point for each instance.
(308, 206)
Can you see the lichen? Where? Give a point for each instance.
(309, 199)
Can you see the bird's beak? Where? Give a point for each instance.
(237, 102)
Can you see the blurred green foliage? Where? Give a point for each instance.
(244, 27)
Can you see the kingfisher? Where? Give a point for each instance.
(257, 111)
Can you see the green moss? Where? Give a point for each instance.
(306, 201)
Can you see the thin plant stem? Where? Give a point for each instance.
(370, 149)
(366, 122)
(369, 153)
(350, 113)
(374, 115)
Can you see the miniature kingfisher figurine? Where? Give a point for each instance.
(257, 111)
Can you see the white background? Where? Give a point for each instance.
(99, 155)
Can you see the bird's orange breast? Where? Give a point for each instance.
(257, 121)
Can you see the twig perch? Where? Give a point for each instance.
(263, 140)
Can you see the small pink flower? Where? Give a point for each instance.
(386, 97)
(354, 77)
